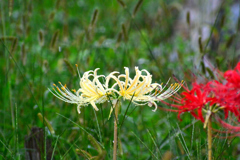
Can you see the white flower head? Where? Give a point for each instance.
(140, 89)
(90, 92)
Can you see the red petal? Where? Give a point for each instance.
(226, 113)
(200, 114)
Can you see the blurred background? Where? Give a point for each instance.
(41, 41)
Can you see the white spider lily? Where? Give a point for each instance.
(140, 89)
(90, 92)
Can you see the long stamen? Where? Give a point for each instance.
(78, 71)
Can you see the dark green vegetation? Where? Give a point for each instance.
(41, 41)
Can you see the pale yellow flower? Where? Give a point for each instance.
(90, 92)
(140, 89)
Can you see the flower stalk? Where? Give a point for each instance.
(209, 134)
(116, 106)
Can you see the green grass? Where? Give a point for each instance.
(151, 40)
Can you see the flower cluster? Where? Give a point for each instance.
(140, 89)
(211, 98)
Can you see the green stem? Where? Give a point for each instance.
(115, 130)
(209, 133)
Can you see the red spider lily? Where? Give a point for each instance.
(195, 100)
(213, 94)
(211, 97)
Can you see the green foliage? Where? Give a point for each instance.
(40, 43)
